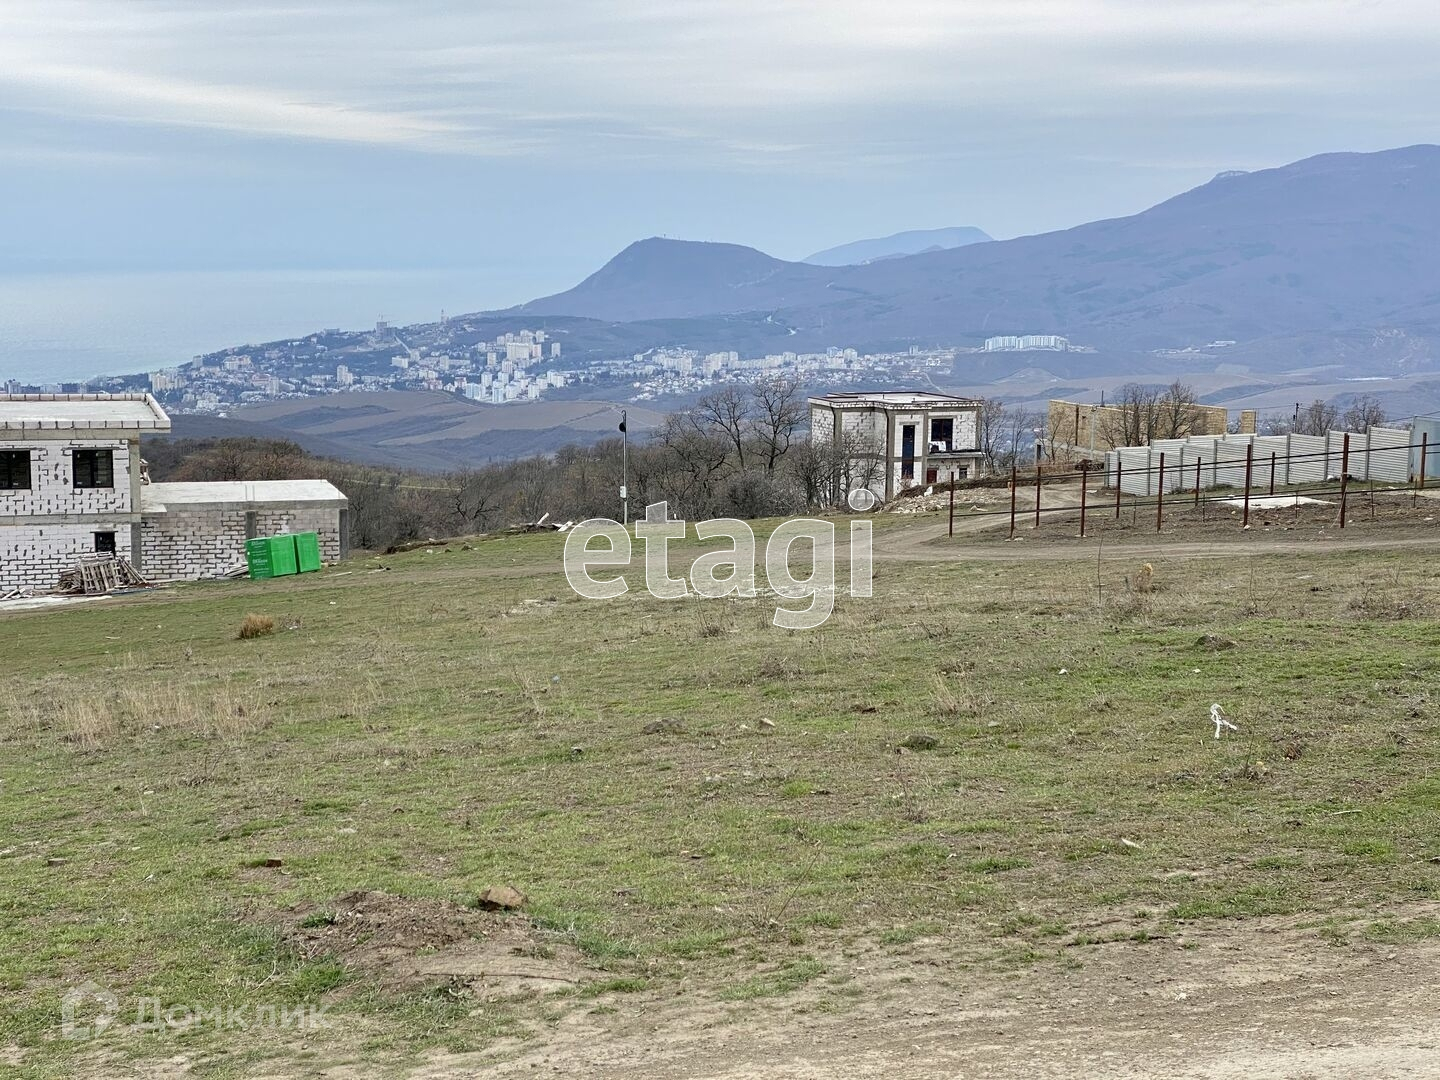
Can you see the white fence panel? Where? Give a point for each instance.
(1230, 464)
(1265, 445)
(1307, 459)
(1335, 452)
(1173, 478)
(1137, 478)
(1390, 455)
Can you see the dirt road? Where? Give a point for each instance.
(1260, 1000)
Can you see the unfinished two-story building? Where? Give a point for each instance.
(71, 483)
(888, 441)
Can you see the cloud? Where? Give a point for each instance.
(741, 83)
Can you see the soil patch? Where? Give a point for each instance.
(408, 941)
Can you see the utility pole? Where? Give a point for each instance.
(624, 472)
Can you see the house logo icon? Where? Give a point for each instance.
(87, 1010)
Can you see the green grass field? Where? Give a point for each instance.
(992, 758)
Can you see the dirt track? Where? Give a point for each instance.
(1260, 1000)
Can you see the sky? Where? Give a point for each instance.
(530, 140)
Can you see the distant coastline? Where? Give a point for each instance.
(57, 327)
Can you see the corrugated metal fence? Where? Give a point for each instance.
(1382, 454)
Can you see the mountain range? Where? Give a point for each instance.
(914, 242)
(1333, 258)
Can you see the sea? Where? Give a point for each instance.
(71, 327)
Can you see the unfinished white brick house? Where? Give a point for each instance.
(889, 441)
(71, 484)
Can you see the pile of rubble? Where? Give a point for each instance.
(938, 498)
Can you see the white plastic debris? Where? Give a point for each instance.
(1217, 717)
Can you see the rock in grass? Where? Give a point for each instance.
(918, 741)
(501, 898)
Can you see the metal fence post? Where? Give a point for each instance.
(1119, 482)
(1014, 483)
(1344, 474)
(1037, 495)
(1084, 483)
(1249, 462)
(1272, 473)
(952, 506)
(1160, 493)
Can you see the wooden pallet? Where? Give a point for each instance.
(94, 575)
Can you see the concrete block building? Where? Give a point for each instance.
(71, 483)
(889, 441)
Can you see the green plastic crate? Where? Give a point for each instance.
(271, 556)
(307, 552)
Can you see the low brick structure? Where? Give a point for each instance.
(199, 530)
(71, 483)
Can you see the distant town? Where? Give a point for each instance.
(520, 366)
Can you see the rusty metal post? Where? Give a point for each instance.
(1344, 475)
(1272, 472)
(1424, 446)
(1197, 481)
(1160, 494)
(1037, 495)
(952, 505)
(1249, 465)
(1119, 483)
(1014, 483)
(1084, 483)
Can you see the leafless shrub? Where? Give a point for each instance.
(1375, 604)
(709, 626)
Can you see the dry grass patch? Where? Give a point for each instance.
(253, 626)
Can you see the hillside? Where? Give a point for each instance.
(736, 846)
(423, 430)
(1285, 261)
(900, 244)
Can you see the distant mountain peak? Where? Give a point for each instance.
(901, 244)
(1302, 258)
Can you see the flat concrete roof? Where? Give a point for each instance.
(240, 495)
(893, 399)
(86, 412)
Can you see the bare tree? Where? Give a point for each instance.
(1364, 413)
(1019, 434)
(990, 430)
(1133, 417)
(729, 412)
(698, 459)
(476, 499)
(1176, 413)
(1317, 418)
(779, 411)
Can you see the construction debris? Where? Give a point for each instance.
(543, 524)
(93, 575)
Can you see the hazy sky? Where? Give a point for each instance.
(540, 136)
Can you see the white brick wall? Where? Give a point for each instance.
(36, 554)
(52, 481)
(204, 542)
